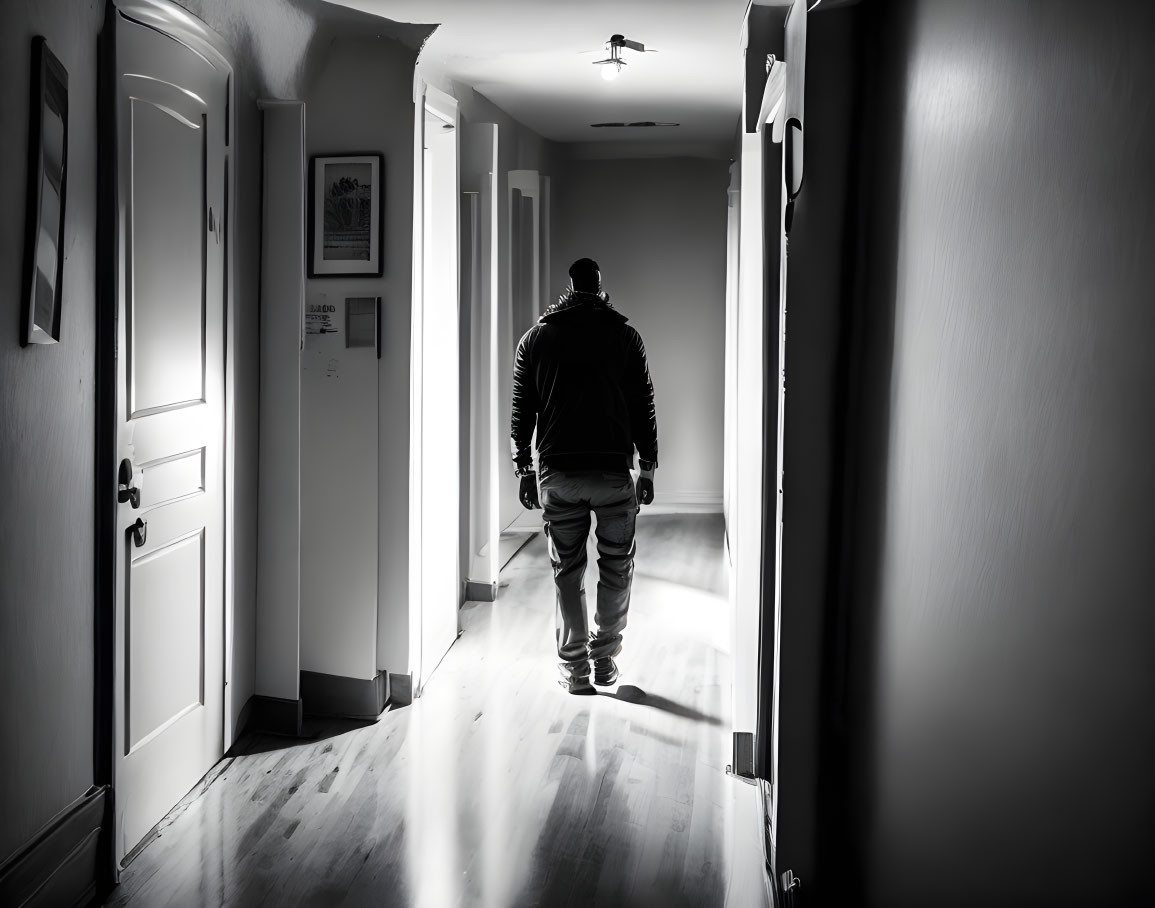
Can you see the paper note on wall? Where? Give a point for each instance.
(320, 318)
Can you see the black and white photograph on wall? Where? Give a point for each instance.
(345, 215)
(47, 172)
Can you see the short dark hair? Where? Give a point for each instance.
(585, 275)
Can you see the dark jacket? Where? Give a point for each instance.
(581, 378)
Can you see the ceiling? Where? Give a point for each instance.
(527, 57)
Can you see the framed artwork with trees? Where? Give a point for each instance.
(346, 208)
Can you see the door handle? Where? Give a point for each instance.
(139, 532)
(127, 488)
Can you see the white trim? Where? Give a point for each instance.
(748, 488)
(681, 502)
(441, 104)
(428, 99)
(678, 502)
(729, 457)
(772, 109)
(484, 402)
(230, 459)
(492, 196)
(415, 363)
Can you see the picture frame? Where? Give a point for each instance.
(45, 200)
(346, 215)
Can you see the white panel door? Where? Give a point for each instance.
(169, 623)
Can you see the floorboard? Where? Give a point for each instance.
(495, 787)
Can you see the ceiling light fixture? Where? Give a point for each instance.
(612, 65)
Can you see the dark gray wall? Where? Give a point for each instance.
(47, 413)
(998, 741)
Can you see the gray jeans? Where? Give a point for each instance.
(567, 500)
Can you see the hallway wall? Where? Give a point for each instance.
(47, 402)
(518, 148)
(361, 100)
(1000, 619)
(47, 414)
(274, 42)
(657, 227)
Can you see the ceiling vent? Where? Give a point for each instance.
(640, 123)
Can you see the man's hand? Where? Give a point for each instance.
(645, 489)
(528, 492)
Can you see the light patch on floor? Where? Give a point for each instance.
(496, 787)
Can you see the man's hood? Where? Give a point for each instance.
(574, 302)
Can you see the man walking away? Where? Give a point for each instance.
(580, 377)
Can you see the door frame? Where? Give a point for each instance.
(426, 98)
(174, 21)
(535, 187)
(480, 194)
(760, 405)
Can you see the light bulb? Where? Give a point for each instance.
(609, 71)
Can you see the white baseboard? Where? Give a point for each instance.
(682, 502)
(665, 503)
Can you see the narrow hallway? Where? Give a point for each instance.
(495, 787)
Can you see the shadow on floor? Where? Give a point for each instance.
(313, 729)
(629, 693)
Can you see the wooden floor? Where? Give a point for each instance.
(496, 787)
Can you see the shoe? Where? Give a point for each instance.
(605, 671)
(575, 678)
(577, 686)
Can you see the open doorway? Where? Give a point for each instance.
(518, 313)
(480, 359)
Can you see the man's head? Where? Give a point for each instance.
(585, 275)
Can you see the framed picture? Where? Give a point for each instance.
(346, 204)
(44, 217)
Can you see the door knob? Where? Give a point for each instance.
(139, 532)
(128, 484)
